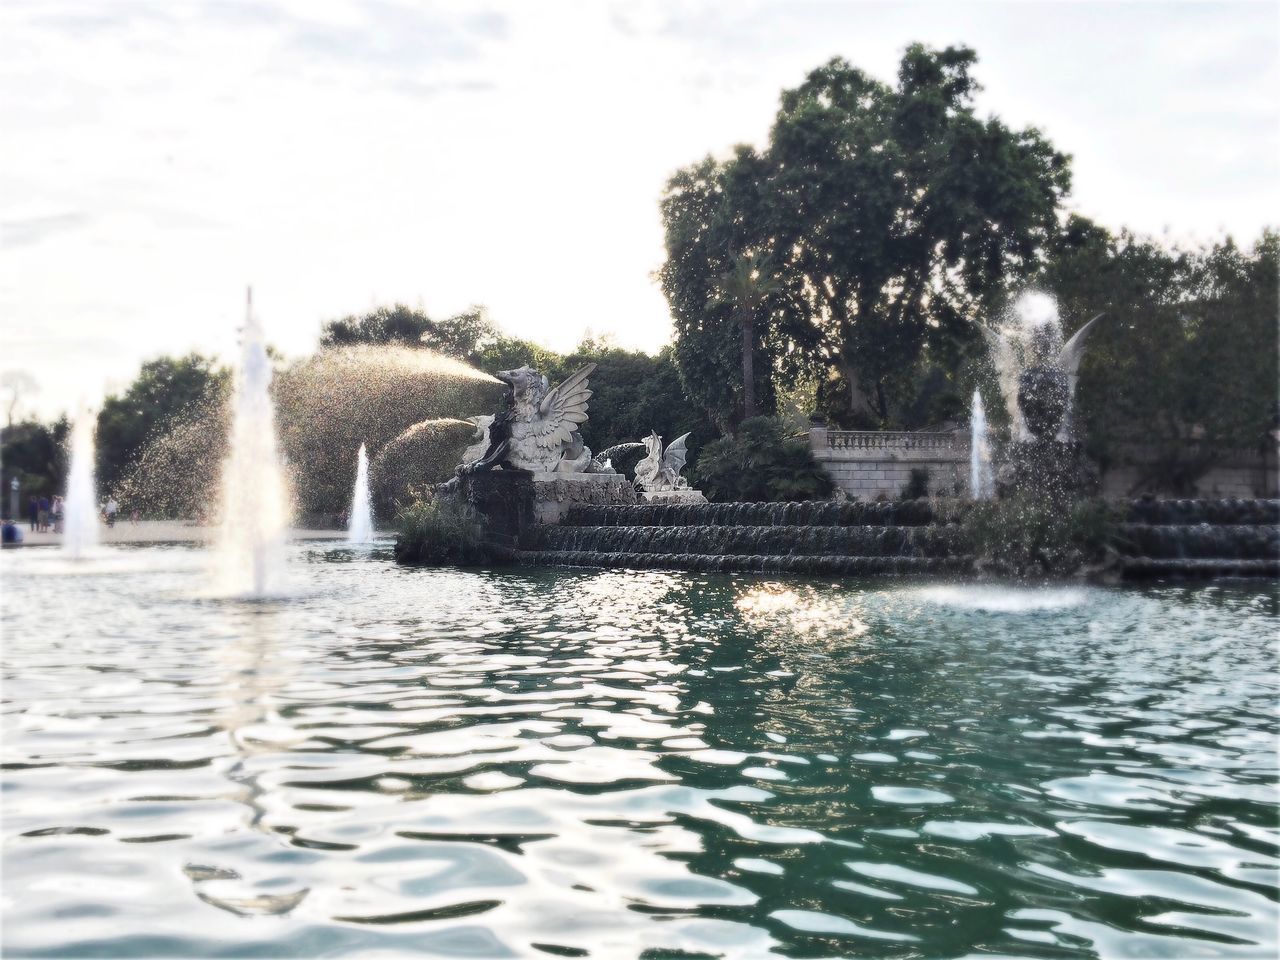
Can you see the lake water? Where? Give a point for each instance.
(601, 763)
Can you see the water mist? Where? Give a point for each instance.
(360, 526)
(250, 554)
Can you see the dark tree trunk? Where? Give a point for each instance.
(748, 368)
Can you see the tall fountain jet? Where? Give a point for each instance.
(360, 526)
(254, 499)
(80, 512)
(982, 485)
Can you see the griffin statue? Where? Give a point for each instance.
(660, 470)
(537, 429)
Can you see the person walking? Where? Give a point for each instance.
(59, 507)
(112, 509)
(43, 524)
(33, 511)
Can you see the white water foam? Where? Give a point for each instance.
(1005, 599)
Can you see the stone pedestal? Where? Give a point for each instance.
(504, 500)
(555, 493)
(673, 496)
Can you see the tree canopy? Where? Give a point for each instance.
(887, 216)
(166, 390)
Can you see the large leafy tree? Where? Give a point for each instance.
(720, 285)
(166, 391)
(888, 215)
(1183, 367)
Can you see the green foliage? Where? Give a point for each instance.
(917, 486)
(761, 464)
(1027, 535)
(883, 218)
(437, 532)
(165, 390)
(35, 453)
(1183, 367)
(463, 336)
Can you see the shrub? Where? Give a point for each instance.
(917, 486)
(1029, 535)
(761, 464)
(440, 531)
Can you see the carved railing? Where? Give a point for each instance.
(892, 440)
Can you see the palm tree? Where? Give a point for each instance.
(745, 288)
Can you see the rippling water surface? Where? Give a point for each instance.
(526, 763)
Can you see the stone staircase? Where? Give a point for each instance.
(1159, 538)
(813, 537)
(1205, 538)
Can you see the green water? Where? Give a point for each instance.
(391, 762)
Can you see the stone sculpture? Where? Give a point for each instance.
(537, 429)
(659, 472)
(529, 465)
(1044, 456)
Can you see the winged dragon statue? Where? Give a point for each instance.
(1039, 372)
(537, 429)
(660, 470)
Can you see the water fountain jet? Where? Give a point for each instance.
(360, 526)
(80, 512)
(254, 499)
(981, 479)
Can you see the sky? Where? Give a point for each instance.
(158, 157)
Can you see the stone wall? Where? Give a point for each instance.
(875, 464)
(1238, 473)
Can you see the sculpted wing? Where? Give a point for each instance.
(1074, 348)
(563, 410)
(676, 454)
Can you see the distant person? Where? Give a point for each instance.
(43, 525)
(112, 509)
(133, 517)
(33, 511)
(12, 533)
(59, 509)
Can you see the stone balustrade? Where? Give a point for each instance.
(877, 464)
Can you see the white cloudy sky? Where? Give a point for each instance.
(159, 156)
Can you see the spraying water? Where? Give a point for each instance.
(1033, 319)
(360, 527)
(254, 500)
(80, 512)
(981, 478)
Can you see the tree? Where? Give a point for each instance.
(17, 384)
(464, 335)
(720, 287)
(746, 287)
(890, 214)
(166, 391)
(1183, 367)
(34, 453)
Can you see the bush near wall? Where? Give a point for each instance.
(761, 464)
